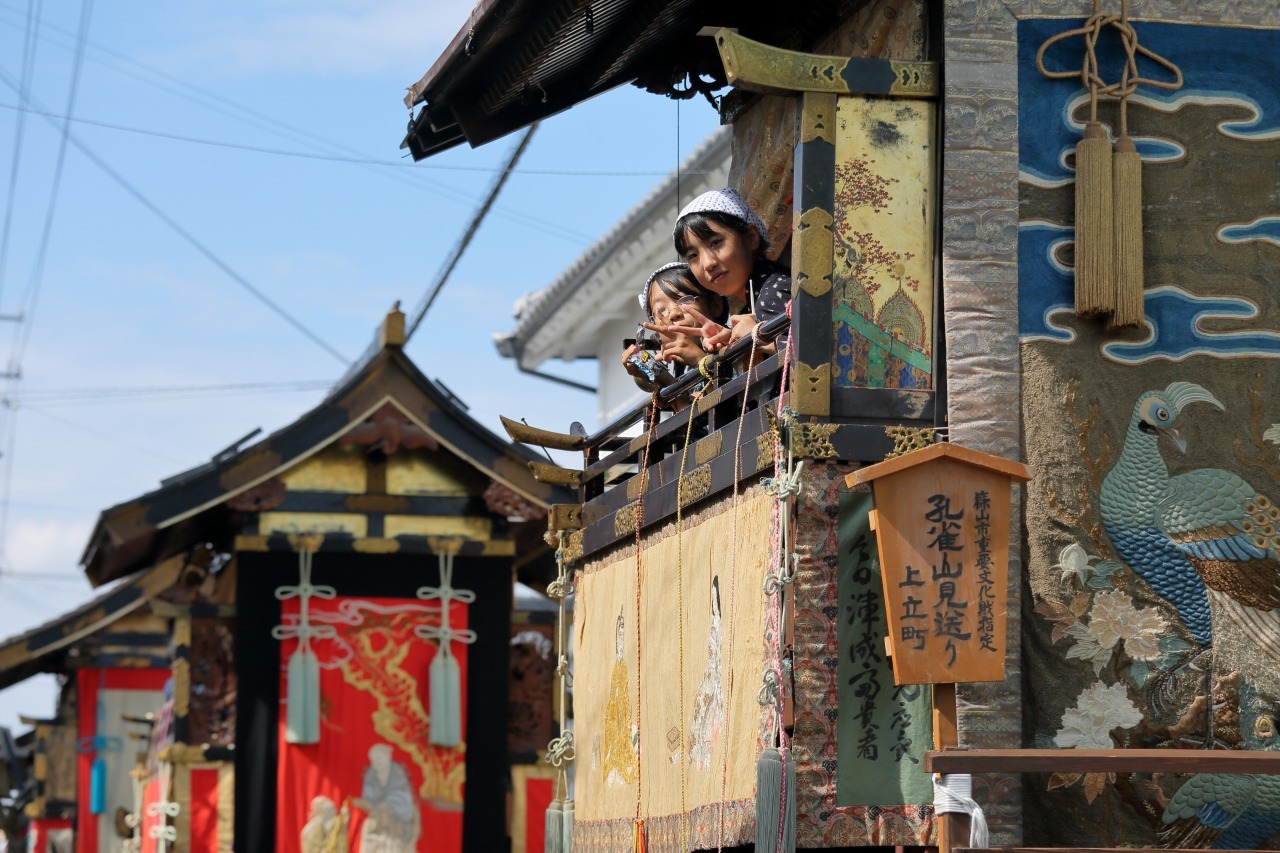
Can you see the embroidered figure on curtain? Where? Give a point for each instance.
(708, 702)
(326, 830)
(619, 759)
(393, 823)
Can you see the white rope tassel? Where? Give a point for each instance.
(953, 794)
(445, 675)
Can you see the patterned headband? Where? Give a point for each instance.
(653, 276)
(726, 201)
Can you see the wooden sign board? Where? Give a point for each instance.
(942, 525)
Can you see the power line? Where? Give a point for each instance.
(88, 430)
(335, 158)
(32, 295)
(308, 137)
(443, 275)
(189, 237)
(46, 397)
(35, 9)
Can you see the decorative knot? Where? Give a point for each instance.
(770, 689)
(560, 750)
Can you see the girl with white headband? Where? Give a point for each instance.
(669, 297)
(723, 241)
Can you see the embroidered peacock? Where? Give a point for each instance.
(1229, 812)
(1203, 535)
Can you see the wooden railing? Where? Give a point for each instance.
(1188, 761)
(731, 440)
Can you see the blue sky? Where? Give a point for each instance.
(125, 302)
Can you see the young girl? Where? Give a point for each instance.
(723, 241)
(670, 296)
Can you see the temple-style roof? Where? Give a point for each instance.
(515, 62)
(40, 649)
(192, 507)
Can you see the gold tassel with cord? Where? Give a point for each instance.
(638, 842)
(1127, 188)
(1095, 259)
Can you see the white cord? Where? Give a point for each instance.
(953, 794)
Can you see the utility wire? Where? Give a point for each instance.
(47, 397)
(188, 236)
(88, 430)
(336, 158)
(35, 9)
(443, 275)
(32, 295)
(269, 124)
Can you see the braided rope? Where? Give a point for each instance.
(684, 735)
(644, 480)
(733, 587)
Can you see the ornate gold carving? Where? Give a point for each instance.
(182, 632)
(813, 441)
(708, 401)
(183, 753)
(811, 389)
(181, 685)
(633, 487)
(546, 473)
(695, 485)
(907, 439)
(624, 520)
(707, 449)
(565, 517)
(446, 544)
(375, 545)
(818, 118)
(814, 251)
(306, 542)
(759, 67)
(573, 547)
(915, 79)
(764, 451)
(251, 542)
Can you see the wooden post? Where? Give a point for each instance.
(953, 827)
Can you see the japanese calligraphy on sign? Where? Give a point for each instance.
(942, 527)
(883, 728)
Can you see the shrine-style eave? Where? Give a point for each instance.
(191, 507)
(515, 62)
(42, 649)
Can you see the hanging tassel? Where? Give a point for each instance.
(446, 700)
(1095, 271)
(769, 804)
(1127, 171)
(302, 705)
(788, 803)
(98, 786)
(567, 845)
(553, 840)
(639, 844)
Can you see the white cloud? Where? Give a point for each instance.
(46, 546)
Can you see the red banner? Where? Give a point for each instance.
(133, 691)
(374, 783)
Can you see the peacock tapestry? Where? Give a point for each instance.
(1153, 600)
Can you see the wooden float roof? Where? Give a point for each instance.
(515, 62)
(191, 507)
(41, 648)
